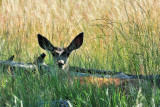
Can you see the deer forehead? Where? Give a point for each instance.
(59, 50)
(61, 54)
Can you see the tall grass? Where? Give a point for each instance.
(120, 35)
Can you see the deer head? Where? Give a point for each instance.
(60, 54)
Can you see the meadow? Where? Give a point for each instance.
(119, 35)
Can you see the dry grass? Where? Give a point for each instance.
(115, 30)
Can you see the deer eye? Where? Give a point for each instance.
(53, 54)
(68, 54)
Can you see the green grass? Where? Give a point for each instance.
(30, 90)
(118, 35)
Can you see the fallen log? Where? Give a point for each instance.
(114, 74)
(47, 68)
(76, 71)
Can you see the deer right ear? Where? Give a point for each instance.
(45, 43)
(76, 42)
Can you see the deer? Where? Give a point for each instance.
(61, 61)
(60, 54)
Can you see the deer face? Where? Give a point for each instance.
(61, 55)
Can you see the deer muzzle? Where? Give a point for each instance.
(60, 63)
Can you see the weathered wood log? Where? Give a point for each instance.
(10, 65)
(47, 68)
(40, 59)
(103, 72)
(76, 71)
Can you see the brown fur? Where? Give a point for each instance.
(125, 84)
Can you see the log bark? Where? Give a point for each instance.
(76, 71)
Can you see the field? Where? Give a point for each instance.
(119, 35)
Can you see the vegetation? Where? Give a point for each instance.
(120, 35)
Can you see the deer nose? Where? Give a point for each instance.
(60, 63)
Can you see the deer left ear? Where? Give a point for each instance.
(76, 42)
(45, 43)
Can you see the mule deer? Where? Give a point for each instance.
(60, 54)
(61, 61)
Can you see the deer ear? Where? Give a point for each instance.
(76, 42)
(45, 43)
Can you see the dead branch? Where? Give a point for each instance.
(76, 71)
